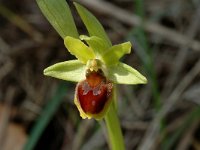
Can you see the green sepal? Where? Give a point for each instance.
(72, 70)
(59, 15)
(125, 74)
(92, 24)
(96, 44)
(114, 53)
(77, 48)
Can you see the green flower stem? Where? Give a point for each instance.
(114, 129)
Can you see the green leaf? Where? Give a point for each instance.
(59, 15)
(113, 54)
(125, 74)
(96, 44)
(79, 49)
(72, 70)
(93, 26)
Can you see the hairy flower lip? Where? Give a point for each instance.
(94, 94)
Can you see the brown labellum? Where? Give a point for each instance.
(94, 92)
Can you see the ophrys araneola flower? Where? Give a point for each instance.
(96, 69)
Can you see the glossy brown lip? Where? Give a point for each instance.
(94, 92)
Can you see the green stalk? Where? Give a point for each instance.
(114, 129)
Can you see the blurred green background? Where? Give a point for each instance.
(37, 112)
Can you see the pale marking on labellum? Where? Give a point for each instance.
(97, 90)
(93, 103)
(86, 88)
(109, 86)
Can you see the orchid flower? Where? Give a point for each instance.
(96, 69)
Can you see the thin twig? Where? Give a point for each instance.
(6, 68)
(96, 141)
(4, 47)
(135, 125)
(187, 137)
(5, 115)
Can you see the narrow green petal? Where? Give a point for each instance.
(92, 24)
(113, 54)
(96, 44)
(72, 70)
(125, 74)
(59, 15)
(79, 49)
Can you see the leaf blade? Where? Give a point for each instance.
(59, 15)
(92, 24)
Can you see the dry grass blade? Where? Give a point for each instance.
(182, 55)
(131, 19)
(21, 23)
(187, 138)
(153, 130)
(81, 133)
(5, 116)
